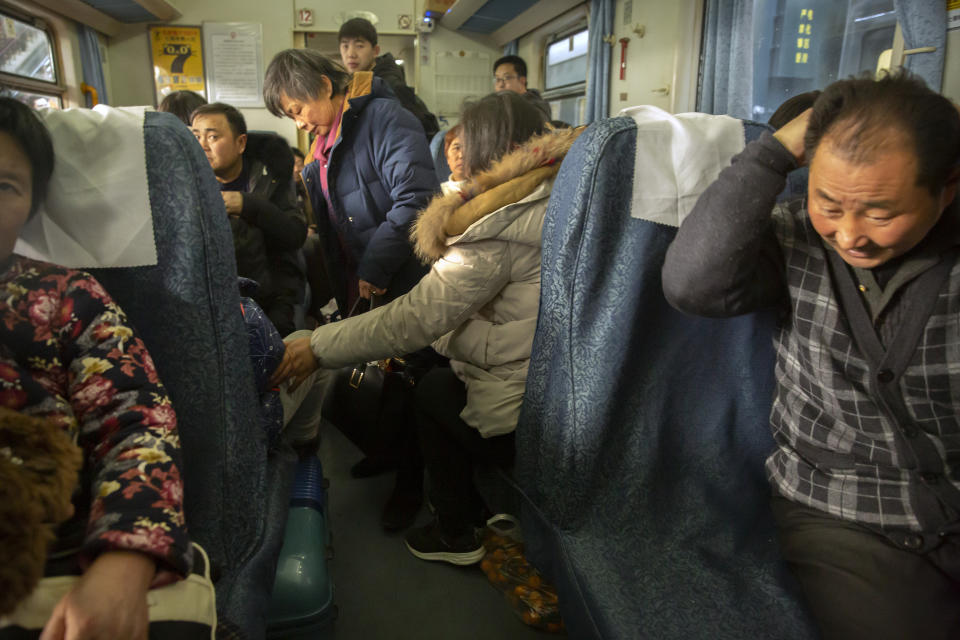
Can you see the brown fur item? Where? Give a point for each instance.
(39, 468)
(509, 180)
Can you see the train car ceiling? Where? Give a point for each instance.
(135, 10)
(503, 20)
(110, 16)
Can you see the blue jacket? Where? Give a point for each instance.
(266, 354)
(381, 175)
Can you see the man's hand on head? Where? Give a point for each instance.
(791, 136)
(233, 201)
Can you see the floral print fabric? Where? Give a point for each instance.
(68, 354)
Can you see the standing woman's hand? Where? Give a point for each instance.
(367, 289)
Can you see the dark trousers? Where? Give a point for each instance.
(858, 584)
(451, 448)
(320, 289)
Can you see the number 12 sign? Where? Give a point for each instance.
(177, 56)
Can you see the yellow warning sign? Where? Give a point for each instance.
(177, 54)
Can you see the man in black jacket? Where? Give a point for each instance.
(359, 52)
(255, 174)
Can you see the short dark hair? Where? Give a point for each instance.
(20, 122)
(858, 113)
(518, 64)
(358, 28)
(296, 73)
(295, 151)
(234, 118)
(494, 124)
(182, 104)
(791, 108)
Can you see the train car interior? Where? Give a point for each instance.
(635, 501)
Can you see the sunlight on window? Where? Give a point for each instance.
(35, 100)
(26, 50)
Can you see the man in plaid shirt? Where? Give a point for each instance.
(866, 416)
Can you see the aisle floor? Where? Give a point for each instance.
(382, 591)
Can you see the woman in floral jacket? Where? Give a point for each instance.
(68, 354)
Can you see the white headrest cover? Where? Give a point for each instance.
(677, 158)
(97, 210)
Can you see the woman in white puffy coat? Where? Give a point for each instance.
(477, 305)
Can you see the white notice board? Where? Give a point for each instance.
(234, 62)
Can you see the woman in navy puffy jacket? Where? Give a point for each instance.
(369, 173)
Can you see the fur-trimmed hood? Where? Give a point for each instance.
(510, 180)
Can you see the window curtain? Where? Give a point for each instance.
(90, 61)
(511, 48)
(924, 24)
(726, 81)
(598, 60)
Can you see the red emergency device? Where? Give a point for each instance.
(623, 58)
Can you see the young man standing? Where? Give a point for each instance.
(866, 415)
(359, 52)
(255, 175)
(510, 74)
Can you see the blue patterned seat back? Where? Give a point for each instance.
(641, 443)
(187, 309)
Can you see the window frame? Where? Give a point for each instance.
(574, 89)
(57, 89)
(895, 61)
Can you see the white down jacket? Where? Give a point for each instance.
(478, 304)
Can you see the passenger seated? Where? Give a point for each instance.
(866, 414)
(477, 305)
(453, 150)
(68, 355)
(255, 174)
(320, 292)
(182, 104)
(298, 161)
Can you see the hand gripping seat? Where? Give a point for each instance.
(186, 308)
(641, 443)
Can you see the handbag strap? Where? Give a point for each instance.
(353, 309)
(359, 369)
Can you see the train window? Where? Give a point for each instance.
(35, 100)
(565, 77)
(802, 45)
(28, 68)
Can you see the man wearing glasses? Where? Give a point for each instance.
(510, 74)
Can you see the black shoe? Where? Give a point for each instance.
(370, 467)
(401, 510)
(430, 543)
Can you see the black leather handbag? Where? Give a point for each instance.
(368, 403)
